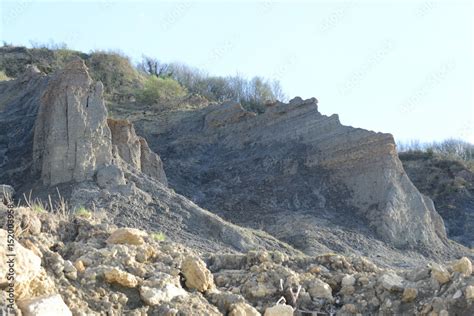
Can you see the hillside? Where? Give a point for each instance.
(193, 207)
(450, 183)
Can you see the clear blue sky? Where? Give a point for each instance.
(403, 67)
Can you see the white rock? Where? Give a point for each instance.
(154, 296)
(457, 295)
(44, 306)
(391, 282)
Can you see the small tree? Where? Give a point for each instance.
(153, 67)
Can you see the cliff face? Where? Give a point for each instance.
(293, 171)
(55, 134)
(297, 174)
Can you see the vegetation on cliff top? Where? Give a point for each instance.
(150, 82)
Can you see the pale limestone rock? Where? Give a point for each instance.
(242, 309)
(71, 136)
(320, 289)
(154, 296)
(409, 294)
(391, 282)
(27, 265)
(115, 275)
(197, 275)
(440, 274)
(44, 306)
(463, 266)
(40, 285)
(130, 236)
(279, 310)
(469, 292)
(79, 265)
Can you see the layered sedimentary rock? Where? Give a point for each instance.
(295, 173)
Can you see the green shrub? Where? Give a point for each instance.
(158, 236)
(156, 90)
(38, 208)
(83, 212)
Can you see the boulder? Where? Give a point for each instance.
(115, 275)
(463, 266)
(196, 274)
(154, 296)
(130, 236)
(391, 282)
(348, 280)
(279, 310)
(440, 274)
(44, 306)
(409, 294)
(320, 289)
(469, 292)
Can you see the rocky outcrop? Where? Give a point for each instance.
(124, 278)
(135, 151)
(295, 172)
(71, 137)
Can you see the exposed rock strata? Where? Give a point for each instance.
(293, 162)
